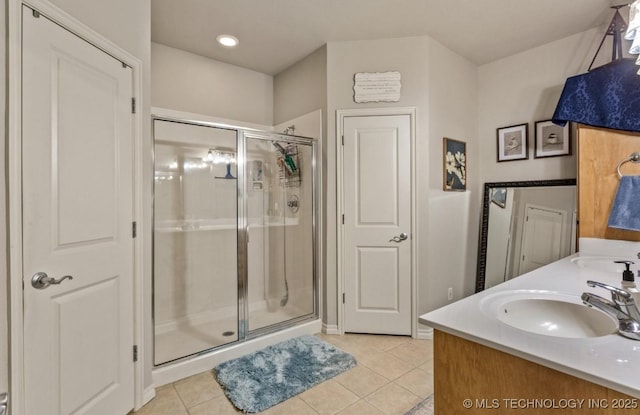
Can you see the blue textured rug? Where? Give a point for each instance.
(269, 376)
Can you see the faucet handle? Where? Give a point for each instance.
(619, 296)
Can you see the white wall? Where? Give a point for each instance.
(451, 233)
(442, 87)
(187, 82)
(301, 88)
(525, 88)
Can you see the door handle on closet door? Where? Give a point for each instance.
(41, 280)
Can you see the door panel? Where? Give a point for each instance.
(377, 294)
(542, 237)
(77, 218)
(377, 208)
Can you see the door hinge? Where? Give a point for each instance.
(135, 353)
(343, 298)
(36, 14)
(133, 105)
(134, 229)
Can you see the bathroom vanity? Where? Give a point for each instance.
(529, 345)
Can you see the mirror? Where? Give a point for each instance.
(525, 225)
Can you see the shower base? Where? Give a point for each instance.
(202, 362)
(191, 336)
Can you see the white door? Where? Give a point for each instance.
(77, 221)
(543, 237)
(377, 219)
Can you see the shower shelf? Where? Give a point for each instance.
(212, 225)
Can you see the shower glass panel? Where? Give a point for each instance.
(195, 254)
(280, 228)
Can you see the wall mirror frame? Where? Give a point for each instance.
(489, 193)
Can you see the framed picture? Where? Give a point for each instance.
(499, 197)
(455, 164)
(513, 142)
(552, 140)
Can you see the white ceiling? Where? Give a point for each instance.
(274, 34)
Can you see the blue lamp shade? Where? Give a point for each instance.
(608, 97)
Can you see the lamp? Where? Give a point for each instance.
(606, 96)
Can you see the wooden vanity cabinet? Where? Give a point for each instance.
(498, 383)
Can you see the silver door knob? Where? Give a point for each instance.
(41, 280)
(399, 238)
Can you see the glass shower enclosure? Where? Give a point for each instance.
(234, 236)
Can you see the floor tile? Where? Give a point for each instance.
(217, 406)
(393, 374)
(414, 352)
(166, 402)
(291, 406)
(197, 389)
(361, 380)
(386, 365)
(418, 382)
(328, 397)
(386, 343)
(361, 407)
(393, 399)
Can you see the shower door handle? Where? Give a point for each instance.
(399, 238)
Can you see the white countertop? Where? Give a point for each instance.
(611, 361)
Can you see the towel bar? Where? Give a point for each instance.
(633, 157)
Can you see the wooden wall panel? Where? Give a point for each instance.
(599, 152)
(498, 383)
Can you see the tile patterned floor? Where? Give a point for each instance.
(393, 374)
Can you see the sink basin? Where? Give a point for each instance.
(605, 264)
(556, 317)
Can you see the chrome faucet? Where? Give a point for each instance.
(621, 307)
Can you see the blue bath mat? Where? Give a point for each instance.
(269, 376)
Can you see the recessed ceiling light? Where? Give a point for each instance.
(228, 41)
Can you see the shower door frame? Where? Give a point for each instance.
(243, 289)
(242, 135)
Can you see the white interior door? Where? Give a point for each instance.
(543, 237)
(77, 221)
(377, 211)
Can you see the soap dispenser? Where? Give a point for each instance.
(628, 282)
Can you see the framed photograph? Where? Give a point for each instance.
(513, 142)
(552, 140)
(455, 164)
(499, 197)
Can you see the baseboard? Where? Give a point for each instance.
(330, 329)
(425, 333)
(148, 394)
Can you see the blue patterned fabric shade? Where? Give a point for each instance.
(608, 96)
